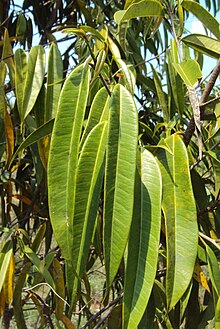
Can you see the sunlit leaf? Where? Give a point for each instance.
(179, 210)
(204, 44)
(119, 177)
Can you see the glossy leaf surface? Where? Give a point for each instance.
(119, 177)
(63, 159)
(180, 219)
(143, 240)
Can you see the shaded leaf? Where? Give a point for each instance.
(144, 239)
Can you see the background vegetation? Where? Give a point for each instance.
(110, 165)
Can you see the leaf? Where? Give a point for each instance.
(180, 219)
(54, 80)
(88, 188)
(63, 157)
(35, 136)
(119, 177)
(9, 281)
(34, 80)
(20, 76)
(7, 56)
(217, 314)
(204, 16)
(9, 132)
(58, 277)
(39, 264)
(5, 258)
(2, 89)
(162, 96)
(203, 44)
(189, 71)
(214, 270)
(139, 9)
(144, 238)
(200, 276)
(98, 112)
(129, 76)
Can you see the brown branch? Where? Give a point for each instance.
(208, 88)
(96, 315)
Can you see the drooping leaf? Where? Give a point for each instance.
(34, 80)
(5, 256)
(204, 16)
(119, 177)
(63, 158)
(203, 44)
(162, 96)
(35, 136)
(189, 71)
(179, 210)
(144, 239)
(7, 56)
(2, 89)
(139, 9)
(98, 112)
(20, 76)
(88, 188)
(54, 80)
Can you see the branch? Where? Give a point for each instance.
(208, 88)
(96, 315)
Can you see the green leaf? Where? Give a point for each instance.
(34, 80)
(54, 80)
(98, 112)
(34, 137)
(2, 89)
(214, 270)
(119, 177)
(20, 76)
(7, 56)
(189, 71)
(162, 96)
(5, 256)
(204, 16)
(142, 8)
(217, 314)
(180, 219)
(88, 188)
(144, 238)
(39, 264)
(129, 77)
(63, 157)
(203, 44)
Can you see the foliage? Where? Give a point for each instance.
(110, 165)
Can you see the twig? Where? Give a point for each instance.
(214, 242)
(96, 315)
(208, 88)
(210, 208)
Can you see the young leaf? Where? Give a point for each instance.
(143, 240)
(189, 71)
(119, 177)
(179, 210)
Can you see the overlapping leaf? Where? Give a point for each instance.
(63, 159)
(180, 219)
(119, 177)
(144, 239)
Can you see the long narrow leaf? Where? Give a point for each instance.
(63, 158)
(180, 219)
(88, 189)
(120, 177)
(144, 239)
